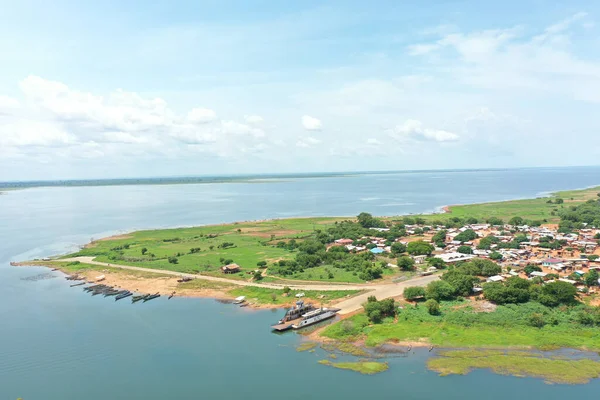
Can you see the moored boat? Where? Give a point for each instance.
(152, 296)
(123, 295)
(312, 317)
(292, 315)
(139, 297)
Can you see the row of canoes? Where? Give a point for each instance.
(119, 294)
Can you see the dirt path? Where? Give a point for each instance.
(381, 291)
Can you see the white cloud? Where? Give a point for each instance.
(311, 123)
(34, 133)
(8, 104)
(235, 128)
(253, 119)
(373, 142)
(201, 115)
(413, 129)
(308, 141)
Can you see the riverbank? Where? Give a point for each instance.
(141, 281)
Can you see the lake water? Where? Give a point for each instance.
(57, 342)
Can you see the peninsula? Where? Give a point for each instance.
(518, 274)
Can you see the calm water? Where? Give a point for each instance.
(58, 343)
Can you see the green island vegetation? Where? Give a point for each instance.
(517, 363)
(364, 367)
(306, 346)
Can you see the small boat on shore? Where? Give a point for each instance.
(185, 279)
(239, 300)
(78, 284)
(123, 295)
(139, 297)
(152, 296)
(171, 295)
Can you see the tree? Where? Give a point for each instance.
(558, 292)
(144, 250)
(439, 290)
(465, 249)
(257, 275)
(462, 283)
(530, 268)
(377, 310)
(559, 201)
(498, 293)
(516, 221)
(419, 248)
(366, 220)
(261, 264)
(406, 263)
(466, 236)
(495, 221)
(173, 260)
(436, 262)
(494, 255)
(433, 307)
(591, 278)
(414, 292)
(397, 248)
(593, 257)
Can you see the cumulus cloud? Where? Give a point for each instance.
(311, 123)
(88, 125)
(373, 142)
(8, 104)
(414, 129)
(308, 141)
(253, 119)
(201, 115)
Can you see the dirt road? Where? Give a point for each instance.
(381, 291)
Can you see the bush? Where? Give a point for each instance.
(537, 320)
(173, 260)
(287, 289)
(406, 263)
(439, 290)
(433, 307)
(377, 310)
(257, 275)
(414, 292)
(261, 264)
(144, 250)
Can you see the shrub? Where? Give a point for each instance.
(433, 307)
(414, 292)
(439, 290)
(173, 260)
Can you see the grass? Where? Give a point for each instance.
(344, 347)
(364, 367)
(306, 346)
(321, 274)
(252, 242)
(276, 296)
(533, 209)
(502, 328)
(551, 369)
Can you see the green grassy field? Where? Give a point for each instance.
(251, 242)
(417, 325)
(533, 209)
(551, 369)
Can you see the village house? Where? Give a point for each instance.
(230, 269)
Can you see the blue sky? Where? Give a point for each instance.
(132, 88)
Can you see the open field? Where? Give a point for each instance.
(205, 249)
(502, 328)
(516, 363)
(532, 209)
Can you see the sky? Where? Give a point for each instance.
(127, 88)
